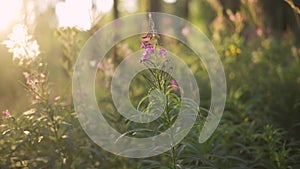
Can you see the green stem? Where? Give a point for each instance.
(173, 155)
(173, 150)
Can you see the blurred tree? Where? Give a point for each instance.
(155, 6)
(116, 16)
(279, 16)
(181, 8)
(115, 8)
(276, 16)
(233, 5)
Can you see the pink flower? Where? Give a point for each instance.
(146, 39)
(162, 52)
(145, 56)
(259, 32)
(6, 113)
(185, 31)
(148, 51)
(237, 17)
(175, 87)
(232, 17)
(174, 83)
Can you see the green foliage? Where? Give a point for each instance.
(259, 128)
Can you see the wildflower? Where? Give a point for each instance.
(148, 51)
(234, 50)
(259, 32)
(162, 52)
(144, 57)
(146, 40)
(21, 44)
(175, 87)
(237, 17)
(174, 83)
(149, 43)
(27, 77)
(219, 23)
(6, 113)
(185, 31)
(232, 17)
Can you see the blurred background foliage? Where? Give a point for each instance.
(258, 43)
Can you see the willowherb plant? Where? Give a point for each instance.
(26, 52)
(158, 67)
(41, 137)
(22, 45)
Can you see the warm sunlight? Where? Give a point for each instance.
(9, 10)
(22, 44)
(74, 13)
(78, 13)
(169, 84)
(170, 1)
(104, 5)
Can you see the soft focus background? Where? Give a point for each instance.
(258, 42)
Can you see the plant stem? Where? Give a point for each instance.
(173, 150)
(173, 155)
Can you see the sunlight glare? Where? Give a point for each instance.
(74, 13)
(77, 13)
(170, 1)
(129, 5)
(104, 5)
(9, 10)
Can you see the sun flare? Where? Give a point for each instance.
(78, 13)
(9, 11)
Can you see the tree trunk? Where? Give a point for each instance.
(155, 6)
(115, 9)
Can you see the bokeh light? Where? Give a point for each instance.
(9, 11)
